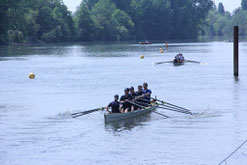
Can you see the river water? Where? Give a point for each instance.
(36, 126)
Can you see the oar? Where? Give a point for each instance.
(157, 63)
(175, 110)
(146, 107)
(197, 62)
(161, 114)
(74, 115)
(163, 102)
(167, 108)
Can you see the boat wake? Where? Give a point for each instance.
(61, 115)
(209, 113)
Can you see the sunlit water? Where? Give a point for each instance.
(36, 126)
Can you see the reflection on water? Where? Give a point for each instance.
(236, 78)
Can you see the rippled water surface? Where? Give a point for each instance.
(36, 126)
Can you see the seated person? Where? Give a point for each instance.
(114, 105)
(124, 104)
(146, 92)
(132, 97)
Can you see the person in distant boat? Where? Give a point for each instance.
(124, 104)
(114, 105)
(146, 92)
(179, 58)
(176, 59)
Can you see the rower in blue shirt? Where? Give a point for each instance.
(146, 92)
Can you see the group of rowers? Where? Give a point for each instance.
(179, 58)
(130, 100)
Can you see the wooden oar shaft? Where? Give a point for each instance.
(173, 107)
(169, 106)
(146, 107)
(161, 114)
(163, 102)
(89, 111)
(175, 110)
(86, 112)
(163, 62)
(141, 106)
(193, 61)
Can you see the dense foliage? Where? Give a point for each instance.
(140, 19)
(32, 20)
(115, 20)
(220, 22)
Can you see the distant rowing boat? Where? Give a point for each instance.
(145, 42)
(175, 63)
(111, 117)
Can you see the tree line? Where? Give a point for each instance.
(221, 22)
(111, 20)
(35, 20)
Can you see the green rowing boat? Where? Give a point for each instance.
(112, 117)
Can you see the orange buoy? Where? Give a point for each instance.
(31, 75)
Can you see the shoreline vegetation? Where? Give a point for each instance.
(40, 22)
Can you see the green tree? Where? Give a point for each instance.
(244, 4)
(240, 19)
(221, 8)
(124, 24)
(11, 19)
(84, 23)
(102, 16)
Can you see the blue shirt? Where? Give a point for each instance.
(148, 91)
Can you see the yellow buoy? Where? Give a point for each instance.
(31, 75)
(161, 51)
(142, 56)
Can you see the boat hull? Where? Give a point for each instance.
(112, 117)
(177, 63)
(145, 43)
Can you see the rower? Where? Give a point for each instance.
(176, 60)
(132, 97)
(146, 92)
(139, 96)
(181, 57)
(124, 104)
(132, 93)
(114, 105)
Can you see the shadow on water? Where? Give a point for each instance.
(128, 124)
